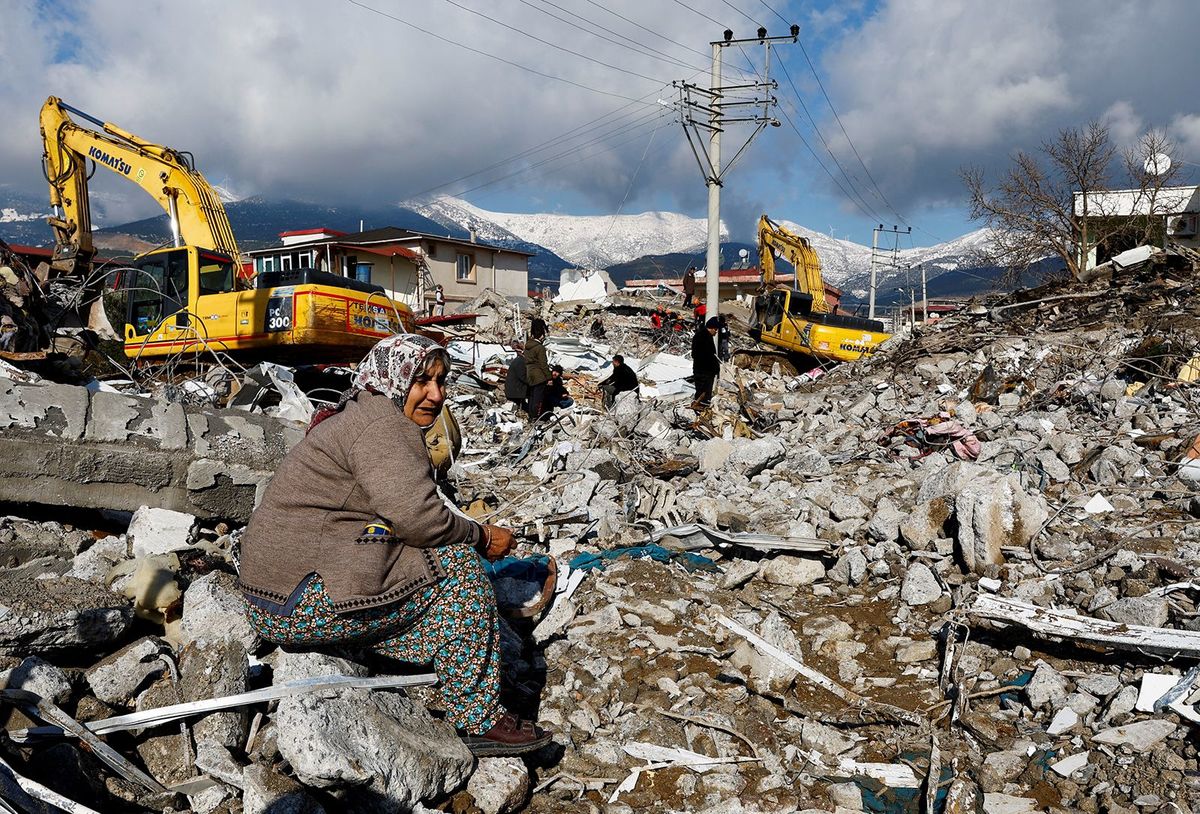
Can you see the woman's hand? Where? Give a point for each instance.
(497, 542)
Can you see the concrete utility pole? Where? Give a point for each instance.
(924, 296)
(875, 232)
(709, 109)
(874, 248)
(712, 279)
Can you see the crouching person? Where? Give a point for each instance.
(352, 545)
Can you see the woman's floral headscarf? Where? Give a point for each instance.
(389, 369)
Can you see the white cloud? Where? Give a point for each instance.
(326, 100)
(926, 86)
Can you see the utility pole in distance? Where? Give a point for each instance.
(875, 232)
(713, 103)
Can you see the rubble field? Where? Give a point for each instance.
(958, 576)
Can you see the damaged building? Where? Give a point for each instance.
(956, 576)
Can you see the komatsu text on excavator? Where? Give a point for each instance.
(802, 320)
(188, 298)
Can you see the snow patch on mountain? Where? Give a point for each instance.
(589, 241)
(11, 215)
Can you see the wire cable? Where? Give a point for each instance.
(553, 45)
(642, 49)
(449, 41)
(559, 139)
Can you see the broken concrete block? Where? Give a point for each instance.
(913, 652)
(792, 571)
(924, 524)
(217, 762)
(38, 677)
(850, 569)
(752, 456)
(1139, 610)
(55, 615)
(809, 462)
(164, 751)
(94, 563)
(117, 678)
(920, 586)
(992, 510)
(382, 742)
(824, 739)
(714, 453)
(266, 791)
(160, 531)
(845, 507)
(1046, 687)
(884, 524)
(1140, 736)
(212, 669)
(738, 573)
(214, 611)
(499, 784)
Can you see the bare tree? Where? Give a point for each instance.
(1046, 204)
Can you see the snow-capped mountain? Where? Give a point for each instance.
(591, 241)
(848, 264)
(601, 241)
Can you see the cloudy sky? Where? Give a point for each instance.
(557, 105)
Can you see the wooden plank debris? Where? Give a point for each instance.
(1055, 624)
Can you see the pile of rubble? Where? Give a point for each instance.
(957, 577)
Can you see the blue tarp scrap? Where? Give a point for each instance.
(690, 561)
(518, 580)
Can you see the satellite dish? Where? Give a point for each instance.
(742, 253)
(1157, 164)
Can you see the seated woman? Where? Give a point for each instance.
(352, 545)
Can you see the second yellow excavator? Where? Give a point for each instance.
(189, 298)
(802, 319)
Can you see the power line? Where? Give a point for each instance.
(817, 130)
(782, 19)
(645, 50)
(849, 141)
(756, 23)
(449, 41)
(559, 139)
(574, 152)
(553, 45)
(866, 210)
(650, 31)
(701, 13)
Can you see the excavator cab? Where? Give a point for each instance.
(163, 288)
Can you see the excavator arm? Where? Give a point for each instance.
(774, 239)
(197, 216)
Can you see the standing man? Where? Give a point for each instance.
(439, 301)
(537, 368)
(689, 286)
(705, 364)
(724, 335)
(516, 389)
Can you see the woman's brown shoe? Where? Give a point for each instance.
(510, 736)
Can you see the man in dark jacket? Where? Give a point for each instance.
(689, 286)
(516, 389)
(705, 364)
(537, 368)
(621, 379)
(556, 396)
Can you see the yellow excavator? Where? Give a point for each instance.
(189, 298)
(801, 319)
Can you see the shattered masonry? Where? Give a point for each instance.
(965, 568)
